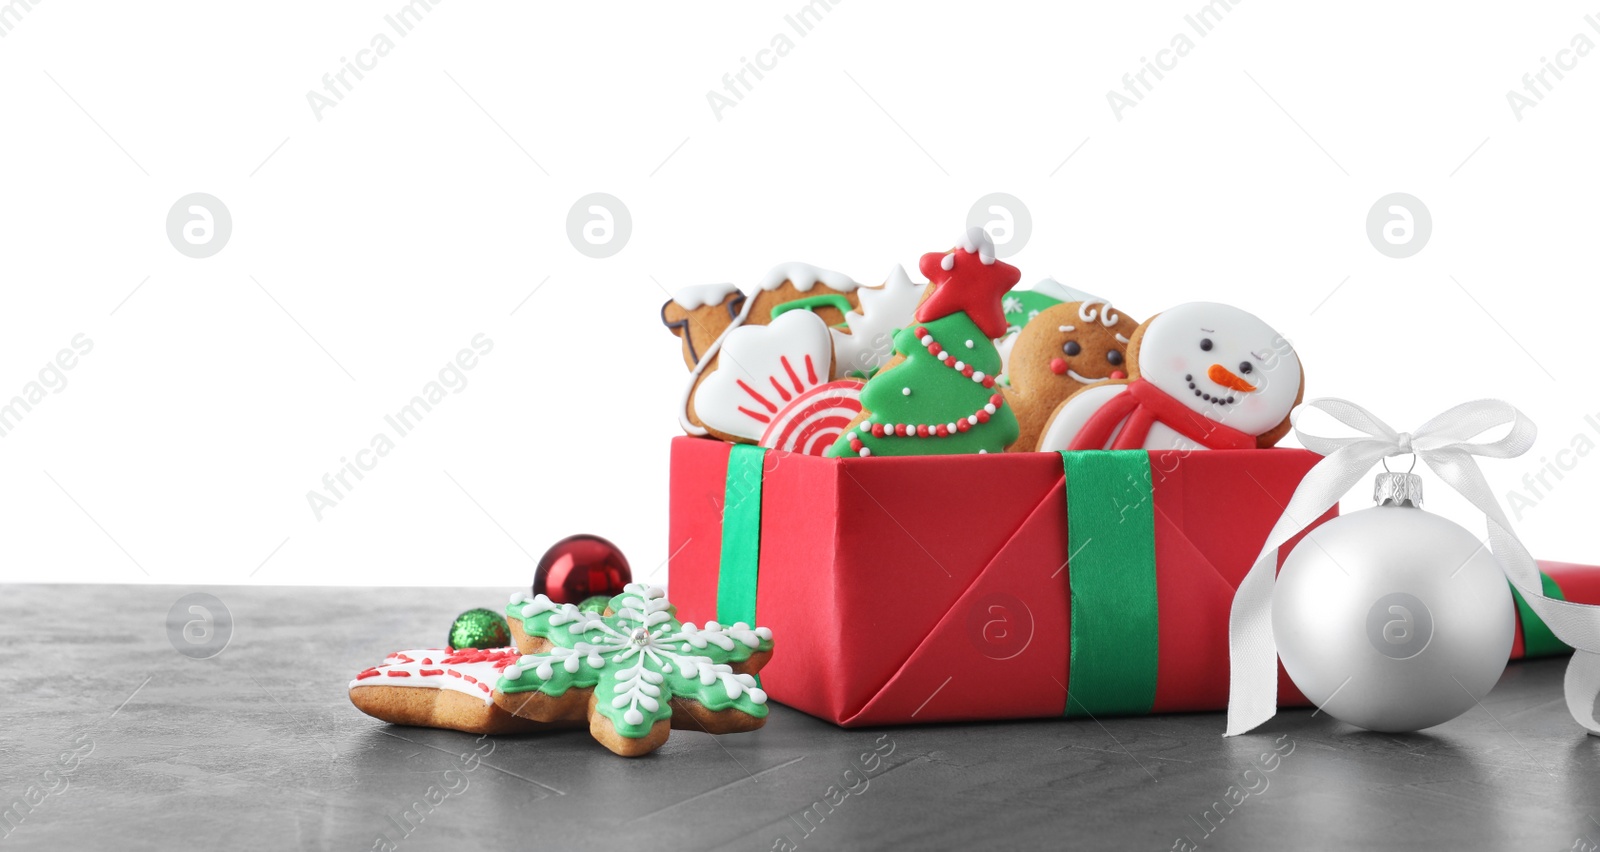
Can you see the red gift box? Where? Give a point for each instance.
(944, 588)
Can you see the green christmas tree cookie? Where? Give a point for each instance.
(940, 396)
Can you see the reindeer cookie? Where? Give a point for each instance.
(1059, 352)
(699, 315)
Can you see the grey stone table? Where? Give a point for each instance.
(110, 738)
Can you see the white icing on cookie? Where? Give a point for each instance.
(1091, 311)
(703, 295)
(977, 241)
(1065, 424)
(1242, 351)
(473, 672)
(813, 421)
(804, 276)
(763, 368)
(884, 310)
(700, 367)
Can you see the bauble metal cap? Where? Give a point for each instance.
(1397, 489)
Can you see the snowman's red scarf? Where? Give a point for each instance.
(1142, 405)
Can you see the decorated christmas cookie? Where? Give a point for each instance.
(868, 342)
(800, 286)
(439, 688)
(1200, 376)
(762, 369)
(1064, 349)
(634, 673)
(812, 421)
(938, 395)
(1024, 306)
(699, 315)
(790, 288)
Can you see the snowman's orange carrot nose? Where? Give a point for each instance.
(1225, 377)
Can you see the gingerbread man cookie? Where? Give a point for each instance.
(1200, 376)
(634, 672)
(1062, 350)
(1022, 306)
(778, 329)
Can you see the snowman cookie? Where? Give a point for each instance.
(1200, 376)
(792, 291)
(1062, 350)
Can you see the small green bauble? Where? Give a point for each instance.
(596, 604)
(480, 628)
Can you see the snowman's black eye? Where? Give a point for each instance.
(1246, 366)
(1072, 347)
(1205, 344)
(1114, 357)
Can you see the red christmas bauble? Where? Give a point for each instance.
(579, 567)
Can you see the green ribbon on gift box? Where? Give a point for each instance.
(1111, 575)
(1537, 638)
(1111, 572)
(741, 535)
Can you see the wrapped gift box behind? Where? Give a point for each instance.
(935, 588)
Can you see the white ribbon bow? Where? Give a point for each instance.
(1443, 444)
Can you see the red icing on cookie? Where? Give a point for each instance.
(985, 282)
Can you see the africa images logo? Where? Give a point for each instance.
(1399, 626)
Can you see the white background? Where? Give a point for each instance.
(427, 206)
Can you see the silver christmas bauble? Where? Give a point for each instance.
(1392, 618)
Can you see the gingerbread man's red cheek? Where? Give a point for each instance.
(1118, 374)
(1058, 366)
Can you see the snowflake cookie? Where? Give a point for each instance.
(633, 673)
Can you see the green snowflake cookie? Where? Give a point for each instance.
(638, 659)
